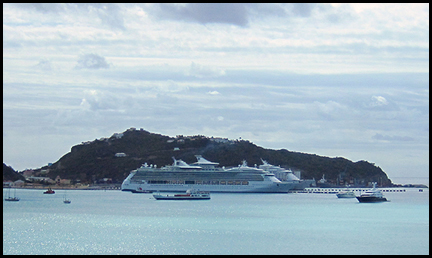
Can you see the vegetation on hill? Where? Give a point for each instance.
(92, 161)
(10, 174)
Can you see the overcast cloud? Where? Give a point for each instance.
(347, 80)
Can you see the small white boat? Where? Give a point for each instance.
(190, 195)
(65, 200)
(347, 193)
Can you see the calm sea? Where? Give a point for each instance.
(115, 222)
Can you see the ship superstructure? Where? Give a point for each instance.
(286, 175)
(203, 175)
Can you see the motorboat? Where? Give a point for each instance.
(49, 191)
(189, 195)
(347, 193)
(372, 195)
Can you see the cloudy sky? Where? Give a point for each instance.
(337, 80)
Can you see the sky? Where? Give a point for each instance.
(336, 80)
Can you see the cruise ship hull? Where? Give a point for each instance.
(252, 188)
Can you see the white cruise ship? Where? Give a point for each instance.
(286, 175)
(203, 175)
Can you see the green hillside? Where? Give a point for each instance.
(93, 161)
(10, 174)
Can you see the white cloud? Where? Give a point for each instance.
(44, 65)
(392, 138)
(329, 108)
(239, 14)
(379, 101)
(201, 71)
(105, 15)
(92, 61)
(206, 12)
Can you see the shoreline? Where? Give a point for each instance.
(94, 187)
(399, 188)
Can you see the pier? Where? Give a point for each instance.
(337, 190)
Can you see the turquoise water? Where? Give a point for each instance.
(114, 222)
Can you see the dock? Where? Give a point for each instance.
(319, 190)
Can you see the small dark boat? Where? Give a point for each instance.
(49, 191)
(372, 195)
(12, 199)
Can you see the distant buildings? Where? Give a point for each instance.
(181, 139)
(60, 181)
(221, 140)
(27, 173)
(40, 179)
(16, 183)
(117, 135)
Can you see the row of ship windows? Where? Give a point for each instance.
(197, 182)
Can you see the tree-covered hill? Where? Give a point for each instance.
(92, 161)
(10, 174)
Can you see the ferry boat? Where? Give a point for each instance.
(206, 176)
(372, 195)
(190, 195)
(346, 194)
